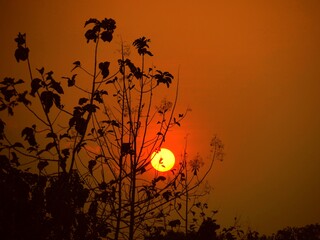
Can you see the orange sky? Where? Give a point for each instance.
(250, 71)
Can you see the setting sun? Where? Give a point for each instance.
(162, 160)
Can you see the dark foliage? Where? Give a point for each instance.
(40, 207)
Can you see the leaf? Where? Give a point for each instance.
(49, 75)
(22, 98)
(106, 36)
(112, 80)
(163, 77)
(57, 101)
(166, 195)
(142, 45)
(21, 53)
(8, 93)
(20, 39)
(98, 95)
(160, 178)
(50, 145)
(41, 70)
(104, 67)
(35, 86)
(91, 164)
(90, 108)
(125, 148)
(176, 122)
(91, 20)
(65, 135)
(28, 134)
(56, 86)
(51, 135)
(82, 101)
(76, 65)
(108, 24)
(72, 81)
(47, 100)
(91, 34)
(81, 126)
(142, 170)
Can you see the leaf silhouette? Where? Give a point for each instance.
(82, 101)
(108, 24)
(35, 86)
(106, 36)
(142, 46)
(76, 65)
(56, 86)
(104, 67)
(50, 145)
(163, 77)
(91, 20)
(21, 53)
(41, 70)
(22, 98)
(47, 100)
(91, 34)
(91, 164)
(166, 195)
(20, 39)
(28, 134)
(81, 126)
(51, 135)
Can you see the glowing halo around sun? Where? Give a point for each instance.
(162, 160)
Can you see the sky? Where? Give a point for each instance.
(249, 70)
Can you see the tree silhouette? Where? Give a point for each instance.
(90, 161)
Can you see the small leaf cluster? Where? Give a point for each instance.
(49, 90)
(10, 97)
(22, 52)
(100, 29)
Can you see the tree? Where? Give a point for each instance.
(107, 138)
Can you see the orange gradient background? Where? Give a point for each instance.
(249, 70)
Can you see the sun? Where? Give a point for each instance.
(162, 160)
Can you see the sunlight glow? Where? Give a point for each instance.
(162, 160)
